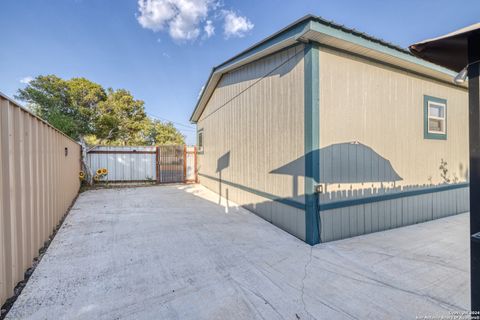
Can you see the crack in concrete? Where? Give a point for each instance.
(303, 283)
(319, 300)
(156, 271)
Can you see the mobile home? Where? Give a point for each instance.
(330, 133)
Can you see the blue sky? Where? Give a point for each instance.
(163, 50)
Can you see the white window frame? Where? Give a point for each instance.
(443, 119)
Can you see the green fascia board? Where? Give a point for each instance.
(312, 23)
(430, 135)
(295, 30)
(365, 41)
(201, 95)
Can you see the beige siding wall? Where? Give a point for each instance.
(37, 185)
(383, 109)
(253, 126)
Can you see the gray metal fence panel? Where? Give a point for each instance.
(163, 164)
(124, 163)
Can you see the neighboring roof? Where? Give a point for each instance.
(328, 33)
(18, 105)
(450, 50)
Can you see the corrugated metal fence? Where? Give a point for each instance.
(39, 169)
(133, 164)
(160, 164)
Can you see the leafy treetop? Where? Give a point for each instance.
(83, 109)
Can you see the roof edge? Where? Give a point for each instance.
(263, 44)
(295, 31)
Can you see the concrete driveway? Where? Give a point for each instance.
(172, 252)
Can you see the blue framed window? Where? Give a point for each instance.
(434, 118)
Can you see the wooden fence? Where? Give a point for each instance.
(39, 169)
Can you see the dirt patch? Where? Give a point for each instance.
(116, 185)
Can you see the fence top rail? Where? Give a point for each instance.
(120, 149)
(24, 109)
(138, 149)
(120, 152)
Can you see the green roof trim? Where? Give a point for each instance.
(299, 28)
(287, 33)
(294, 30)
(370, 42)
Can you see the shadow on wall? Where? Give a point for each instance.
(343, 163)
(354, 162)
(296, 169)
(222, 163)
(347, 163)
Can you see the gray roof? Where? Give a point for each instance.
(304, 30)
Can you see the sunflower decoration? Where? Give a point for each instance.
(81, 175)
(100, 174)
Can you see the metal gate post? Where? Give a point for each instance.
(184, 163)
(157, 164)
(195, 171)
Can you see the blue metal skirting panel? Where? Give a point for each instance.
(363, 216)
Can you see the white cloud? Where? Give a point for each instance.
(235, 25)
(182, 18)
(154, 14)
(209, 29)
(187, 20)
(26, 80)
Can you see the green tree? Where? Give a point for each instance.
(121, 118)
(68, 105)
(85, 110)
(48, 97)
(163, 133)
(85, 96)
